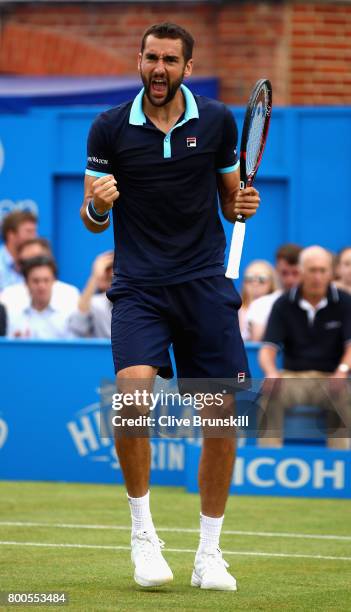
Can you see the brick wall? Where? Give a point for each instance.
(304, 48)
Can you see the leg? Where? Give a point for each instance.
(339, 420)
(211, 349)
(292, 389)
(215, 474)
(140, 335)
(151, 569)
(134, 453)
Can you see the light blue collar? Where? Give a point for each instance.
(137, 116)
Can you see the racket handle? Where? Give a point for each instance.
(236, 245)
(236, 248)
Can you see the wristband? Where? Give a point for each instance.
(344, 368)
(94, 216)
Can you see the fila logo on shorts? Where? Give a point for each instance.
(241, 377)
(191, 141)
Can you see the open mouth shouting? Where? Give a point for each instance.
(158, 87)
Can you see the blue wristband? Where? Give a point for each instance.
(94, 216)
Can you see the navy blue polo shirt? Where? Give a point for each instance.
(167, 227)
(310, 345)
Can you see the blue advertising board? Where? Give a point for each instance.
(50, 416)
(296, 471)
(52, 428)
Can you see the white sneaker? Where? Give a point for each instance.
(210, 571)
(151, 569)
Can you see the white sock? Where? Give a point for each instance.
(140, 513)
(210, 531)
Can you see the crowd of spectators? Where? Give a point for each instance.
(34, 303)
(88, 314)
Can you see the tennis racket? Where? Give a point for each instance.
(253, 140)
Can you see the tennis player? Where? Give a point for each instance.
(158, 163)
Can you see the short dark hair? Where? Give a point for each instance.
(43, 242)
(14, 219)
(39, 262)
(290, 252)
(171, 30)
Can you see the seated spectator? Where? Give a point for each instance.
(343, 267)
(287, 270)
(40, 319)
(17, 296)
(93, 317)
(17, 227)
(3, 319)
(312, 324)
(259, 279)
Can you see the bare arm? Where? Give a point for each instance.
(267, 360)
(234, 201)
(103, 192)
(346, 358)
(97, 275)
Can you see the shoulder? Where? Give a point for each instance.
(65, 288)
(262, 306)
(344, 298)
(15, 296)
(204, 102)
(284, 302)
(64, 296)
(112, 117)
(212, 107)
(266, 301)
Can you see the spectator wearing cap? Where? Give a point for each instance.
(17, 296)
(312, 325)
(17, 227)
(41, 319)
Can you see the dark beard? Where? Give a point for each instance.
(172, 90)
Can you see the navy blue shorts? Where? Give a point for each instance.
(199, 317)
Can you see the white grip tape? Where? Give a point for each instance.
(236, 248)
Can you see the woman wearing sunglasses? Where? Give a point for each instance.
(259, 279)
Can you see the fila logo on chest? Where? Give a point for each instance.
(191, 142)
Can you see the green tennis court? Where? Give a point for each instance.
(290, 554)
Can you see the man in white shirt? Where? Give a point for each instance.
(16, 297)
(17, 227)
(41, 319)
(287, 267)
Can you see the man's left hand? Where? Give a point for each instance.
(247, 202)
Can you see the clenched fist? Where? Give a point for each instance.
(104, 193)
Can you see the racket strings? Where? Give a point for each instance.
(257, 124)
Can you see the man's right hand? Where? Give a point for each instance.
(104, 193)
